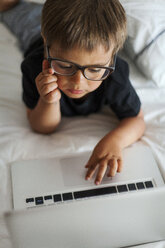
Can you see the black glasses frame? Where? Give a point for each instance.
(111, 69)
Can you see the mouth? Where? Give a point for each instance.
(76, 92)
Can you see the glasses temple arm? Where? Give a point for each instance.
(47, 52)
(114, 63)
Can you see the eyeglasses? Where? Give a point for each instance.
(91, 72)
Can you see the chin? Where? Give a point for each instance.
(75, 94)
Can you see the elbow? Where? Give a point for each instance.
(140, 116)
(40, 126)
(44, 130)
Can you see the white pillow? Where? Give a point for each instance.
(145, 43)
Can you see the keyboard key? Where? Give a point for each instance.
(140, 185)
(29, 200)
(95, 192)
(122, 188)
(149, 184)
(84, 194)
(57, 198)
(131, 186)
(39, 200)
(48, 197)
(106, 190)
(67, 196)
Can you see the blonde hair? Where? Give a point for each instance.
(84, 23)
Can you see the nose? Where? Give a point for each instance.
(78, 78)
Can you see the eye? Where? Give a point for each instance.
(64, 66)
(94, 70)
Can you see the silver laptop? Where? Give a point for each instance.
(98, 222)
(56, 207)
(58, 180)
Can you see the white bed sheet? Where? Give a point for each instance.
(17, 141)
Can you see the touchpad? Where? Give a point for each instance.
(74, 171)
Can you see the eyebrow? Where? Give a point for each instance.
(69, 61)
(65, 60)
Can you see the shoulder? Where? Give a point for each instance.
(120, 94)
(32, 62)
(121, 73)
(31, 67)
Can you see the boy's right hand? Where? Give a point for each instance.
(46, 83)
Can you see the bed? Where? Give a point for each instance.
(78, 134)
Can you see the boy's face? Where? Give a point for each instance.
(77, 86)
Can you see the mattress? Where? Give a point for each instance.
(74, 135)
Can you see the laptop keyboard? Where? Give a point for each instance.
(85, 194)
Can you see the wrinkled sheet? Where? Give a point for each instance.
(74, 135)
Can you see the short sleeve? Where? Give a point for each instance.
(121, 96)
(30, 70)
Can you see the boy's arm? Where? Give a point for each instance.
(46, 116)
(108, 152)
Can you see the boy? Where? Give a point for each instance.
(78, 71)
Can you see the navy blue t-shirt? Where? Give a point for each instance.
(115, 91)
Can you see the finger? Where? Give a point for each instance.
(53, 96)
(45, 83)
(90, 171)
(92, 161)
(120, 165)
(45, 64)
(45, 79)
(113, 167)
(101, 171)
(45, 76)
(46, 68)
(47, 88)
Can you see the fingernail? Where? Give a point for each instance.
(87, 178)
(51, 70)
(97, 182)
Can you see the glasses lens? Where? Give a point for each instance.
(96, 73)
(63, 68)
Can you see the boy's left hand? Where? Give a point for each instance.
(107, 153)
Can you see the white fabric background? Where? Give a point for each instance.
(17, 141)
(146, 19)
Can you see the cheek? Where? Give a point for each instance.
(62, 81)
(94, 85)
